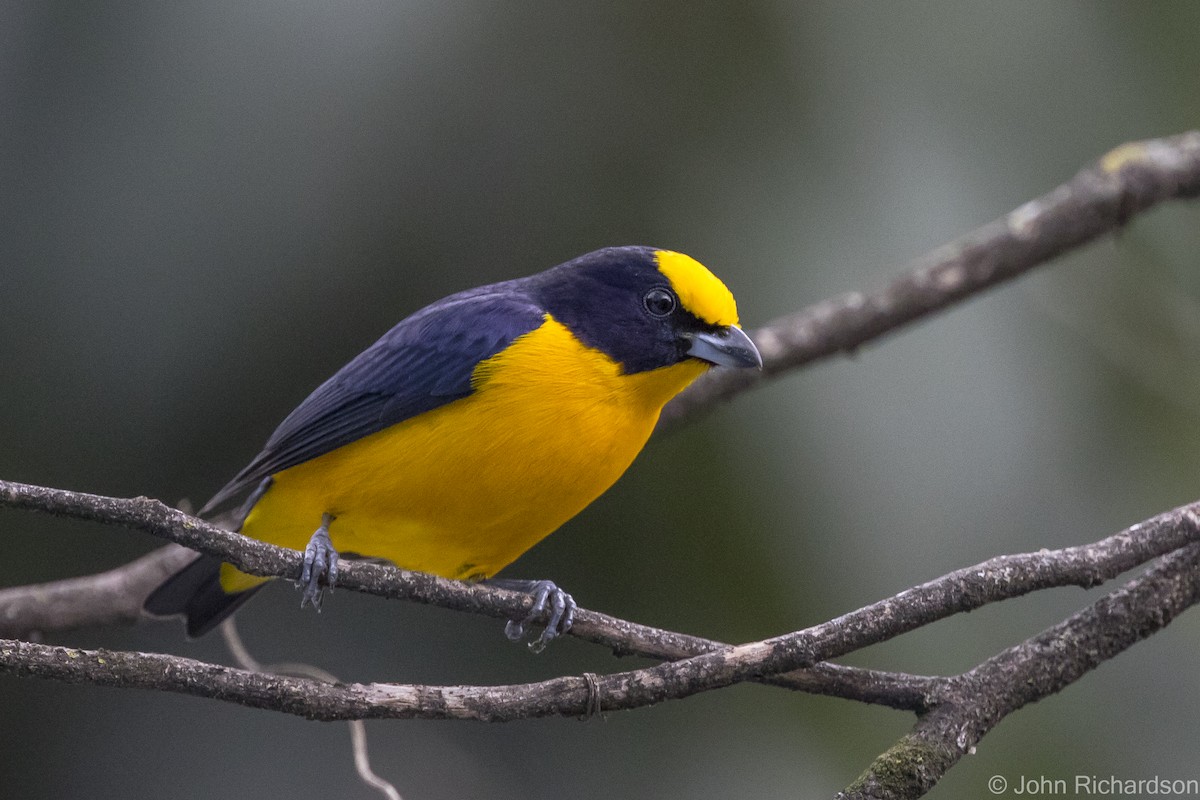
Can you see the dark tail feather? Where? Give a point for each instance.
(196, 592)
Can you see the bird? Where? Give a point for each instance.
(474, 428)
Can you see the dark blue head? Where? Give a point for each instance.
(645, 308)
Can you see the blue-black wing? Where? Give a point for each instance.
(424, 362)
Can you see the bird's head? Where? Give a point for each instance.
(647, 308)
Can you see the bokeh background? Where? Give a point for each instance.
(206, 208)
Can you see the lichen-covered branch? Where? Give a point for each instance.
(965, 708)
(1099, 200)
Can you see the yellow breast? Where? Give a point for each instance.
(463, 490)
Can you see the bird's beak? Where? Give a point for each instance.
(725, 347)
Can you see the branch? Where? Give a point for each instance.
(714, 666)
(970, 705)
(1103, 197)
(107, 598)
(965, 710)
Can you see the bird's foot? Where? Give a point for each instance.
(545, 593)
(320, 562)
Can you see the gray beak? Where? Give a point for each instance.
(726, 347)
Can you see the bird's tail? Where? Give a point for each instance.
(196, 592)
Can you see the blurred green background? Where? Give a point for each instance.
(207, 208)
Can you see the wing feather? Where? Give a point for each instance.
(424, 362)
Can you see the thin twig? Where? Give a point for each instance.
(358, 728)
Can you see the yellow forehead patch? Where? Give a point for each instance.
(700, 292)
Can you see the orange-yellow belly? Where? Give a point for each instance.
(463, 490)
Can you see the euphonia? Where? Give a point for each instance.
(476, 427)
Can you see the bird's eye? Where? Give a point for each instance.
(659, 302)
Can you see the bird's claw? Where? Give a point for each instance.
(320, 562)
(545, 593)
